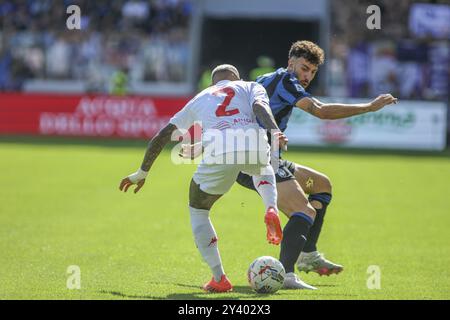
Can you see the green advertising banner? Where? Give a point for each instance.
(413, 125)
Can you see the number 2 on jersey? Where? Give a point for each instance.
(221, 109)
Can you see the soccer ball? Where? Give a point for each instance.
(266, 275)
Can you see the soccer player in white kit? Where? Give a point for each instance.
(228, 109)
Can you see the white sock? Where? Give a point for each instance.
(206, 240)
(267, 188)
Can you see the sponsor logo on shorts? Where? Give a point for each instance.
(263, 183)
(281, 173)
(213, 241)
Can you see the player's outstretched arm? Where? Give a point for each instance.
(156, 145)
(331, 111)
(154, 148)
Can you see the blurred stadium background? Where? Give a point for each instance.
(136, 57)
(71, 101)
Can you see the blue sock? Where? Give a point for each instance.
(294, 238)
(314, 232)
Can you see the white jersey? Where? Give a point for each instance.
(225, 111)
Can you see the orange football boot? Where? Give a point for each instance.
(224, 285)
(274, 232)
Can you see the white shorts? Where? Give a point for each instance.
(217, 178)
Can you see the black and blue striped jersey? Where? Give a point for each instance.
(284, 90)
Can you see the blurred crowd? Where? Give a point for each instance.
(144, 40)
(404, 57)
(131, 41)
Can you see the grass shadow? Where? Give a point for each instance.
(131, 296)
(246, 291)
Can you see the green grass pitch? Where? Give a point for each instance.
(60, 206)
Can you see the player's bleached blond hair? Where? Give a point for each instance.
(224, 68)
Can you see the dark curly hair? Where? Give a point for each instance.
(308, 50)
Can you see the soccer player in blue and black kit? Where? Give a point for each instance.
(286, 90)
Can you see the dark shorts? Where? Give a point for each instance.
(285, 172)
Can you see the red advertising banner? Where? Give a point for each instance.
(86, 115)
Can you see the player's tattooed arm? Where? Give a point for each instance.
(153, 150)
(264, 115)
(155, 146)
(331, 111)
